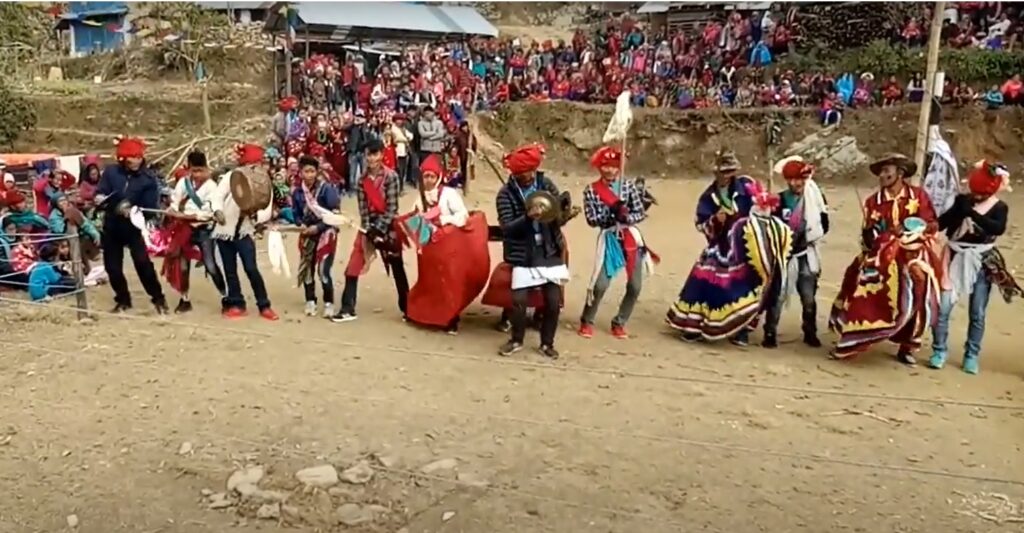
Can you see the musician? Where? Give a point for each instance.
(318, 241)
(615, 206)
(126, 184)
(233, 234)
(190, 203)
(377, 192)
(533, 246)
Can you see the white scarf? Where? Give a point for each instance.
(813, 205)
(942, 181)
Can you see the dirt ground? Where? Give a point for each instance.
(127, 422)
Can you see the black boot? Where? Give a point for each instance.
(770, 341)
(906, 358)
(812, 340)
(161, 308)
(121, 308)
(184, 306)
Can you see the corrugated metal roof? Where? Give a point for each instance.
(654, 7)
(398, 16)
(225, 6)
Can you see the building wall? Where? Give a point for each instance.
(91, 39)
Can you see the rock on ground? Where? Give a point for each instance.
(358, 474)
(353, 514)
(250, 475)
(440, 464)
(322, 476)
(269, 511)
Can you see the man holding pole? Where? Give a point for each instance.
(614, 205)
(128, 183)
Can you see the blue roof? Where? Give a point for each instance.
(398, 16)
(81, 10)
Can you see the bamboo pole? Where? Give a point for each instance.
(77, 271)
(934, 40)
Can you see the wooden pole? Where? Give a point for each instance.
(934, 40)
(205, 92)
(288, 65)
(77, 271)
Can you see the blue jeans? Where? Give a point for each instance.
(244, 250)
(323, 269)
(355, 171)
(976, 318)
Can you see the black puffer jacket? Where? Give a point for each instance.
(520, 247)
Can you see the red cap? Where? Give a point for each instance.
(288, 103)
(249, 154)
(796, 170)
(606, 156)
(987, 178)
(130, 147)
(13, 197)
(524, 159)
(432, 164)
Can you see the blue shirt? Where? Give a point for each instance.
(41, 278)
(140, 188)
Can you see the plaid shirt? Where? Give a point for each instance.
(379, 222)
(601, 216)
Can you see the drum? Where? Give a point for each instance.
(251, 188)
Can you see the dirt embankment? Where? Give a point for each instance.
(682, 143)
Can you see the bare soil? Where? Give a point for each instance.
(647, 434)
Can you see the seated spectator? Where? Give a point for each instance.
(915, 89)
(963, 94)
(46, 279)
(831, 111)
(1012, 91)
(993, 98)
(891, 92)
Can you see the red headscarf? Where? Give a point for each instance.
(130, 147)
(249, 154)
(431, 164)
(606, 156)
(524, 159)
(763, 199)
(288, 103)
(987, 178)
(796, 170)
(13, 198)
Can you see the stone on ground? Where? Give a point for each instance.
(440, 464)
(358, 474)
(250, 475)
(322, 476)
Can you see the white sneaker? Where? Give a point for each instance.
(310, 308)
(328, 310)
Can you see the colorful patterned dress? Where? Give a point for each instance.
(890, 291)
(726, 290)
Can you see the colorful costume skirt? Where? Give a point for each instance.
(893, 296)
(726, 292)
(453, 268)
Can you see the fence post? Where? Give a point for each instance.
(77, 271)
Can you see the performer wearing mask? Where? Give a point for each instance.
(890, 291)
(128, 183)
(972, 262)
(534, 249)
(377, 192)
(730, 285)
(318, 241)
(615, 205)
(190, 204)
(233, 235)
(452, 258)
(802, 206)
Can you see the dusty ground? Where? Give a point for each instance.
(123, 423)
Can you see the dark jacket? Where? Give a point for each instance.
(358, 136)
(519, 232)
(326, 197)
(140, 188)
(987, 227)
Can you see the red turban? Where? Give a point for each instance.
(249, 154)
(316, 150)
(987, 178)
(288, 103)
(796, 170)
(431, 164)
(524, 159)
(67, 180)
(606, 156)
(130, 147)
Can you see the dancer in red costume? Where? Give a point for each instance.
(453, 260)
(891, 290)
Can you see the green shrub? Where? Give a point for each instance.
(17, 115)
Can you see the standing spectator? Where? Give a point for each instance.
(432, 134)
(465, 144)
(358, 136)
(402, 137)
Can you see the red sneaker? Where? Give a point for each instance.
(234, 313)
(619, 332)
(586, 331)
(269, 314)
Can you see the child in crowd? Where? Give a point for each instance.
(46, 279)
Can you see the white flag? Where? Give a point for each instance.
(621, 120)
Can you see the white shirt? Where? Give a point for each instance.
(182, 202)
(401, 138)
(221, 200)
(453, 209)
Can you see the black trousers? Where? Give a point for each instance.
(349, 294)
(552, 293)
(119, 234)
(202, 239)
(244, 249)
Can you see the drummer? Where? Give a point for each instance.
(190, 202)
